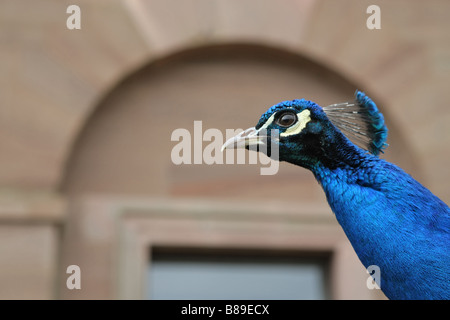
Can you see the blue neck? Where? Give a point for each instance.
(338, 153)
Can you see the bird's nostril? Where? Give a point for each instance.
(247, 132)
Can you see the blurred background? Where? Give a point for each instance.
(86, 176)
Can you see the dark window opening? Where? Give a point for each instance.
(237, 274)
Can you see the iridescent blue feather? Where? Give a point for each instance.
(361, 122)
(391, 220)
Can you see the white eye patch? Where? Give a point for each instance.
(303, 118)
(268, 122)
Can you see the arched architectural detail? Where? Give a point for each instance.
(273, 75)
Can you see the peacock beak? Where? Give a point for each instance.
(246, 138)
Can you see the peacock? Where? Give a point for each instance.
(392, 221)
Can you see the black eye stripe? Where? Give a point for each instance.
(286, 118)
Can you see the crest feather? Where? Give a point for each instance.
(361, 122)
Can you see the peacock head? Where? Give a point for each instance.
(307, 134)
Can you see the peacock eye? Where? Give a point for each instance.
(286, 119)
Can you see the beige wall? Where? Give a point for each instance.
(63, 93)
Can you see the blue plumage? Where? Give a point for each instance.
(377, 129)
(391, 220)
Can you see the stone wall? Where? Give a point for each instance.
(56, 84)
